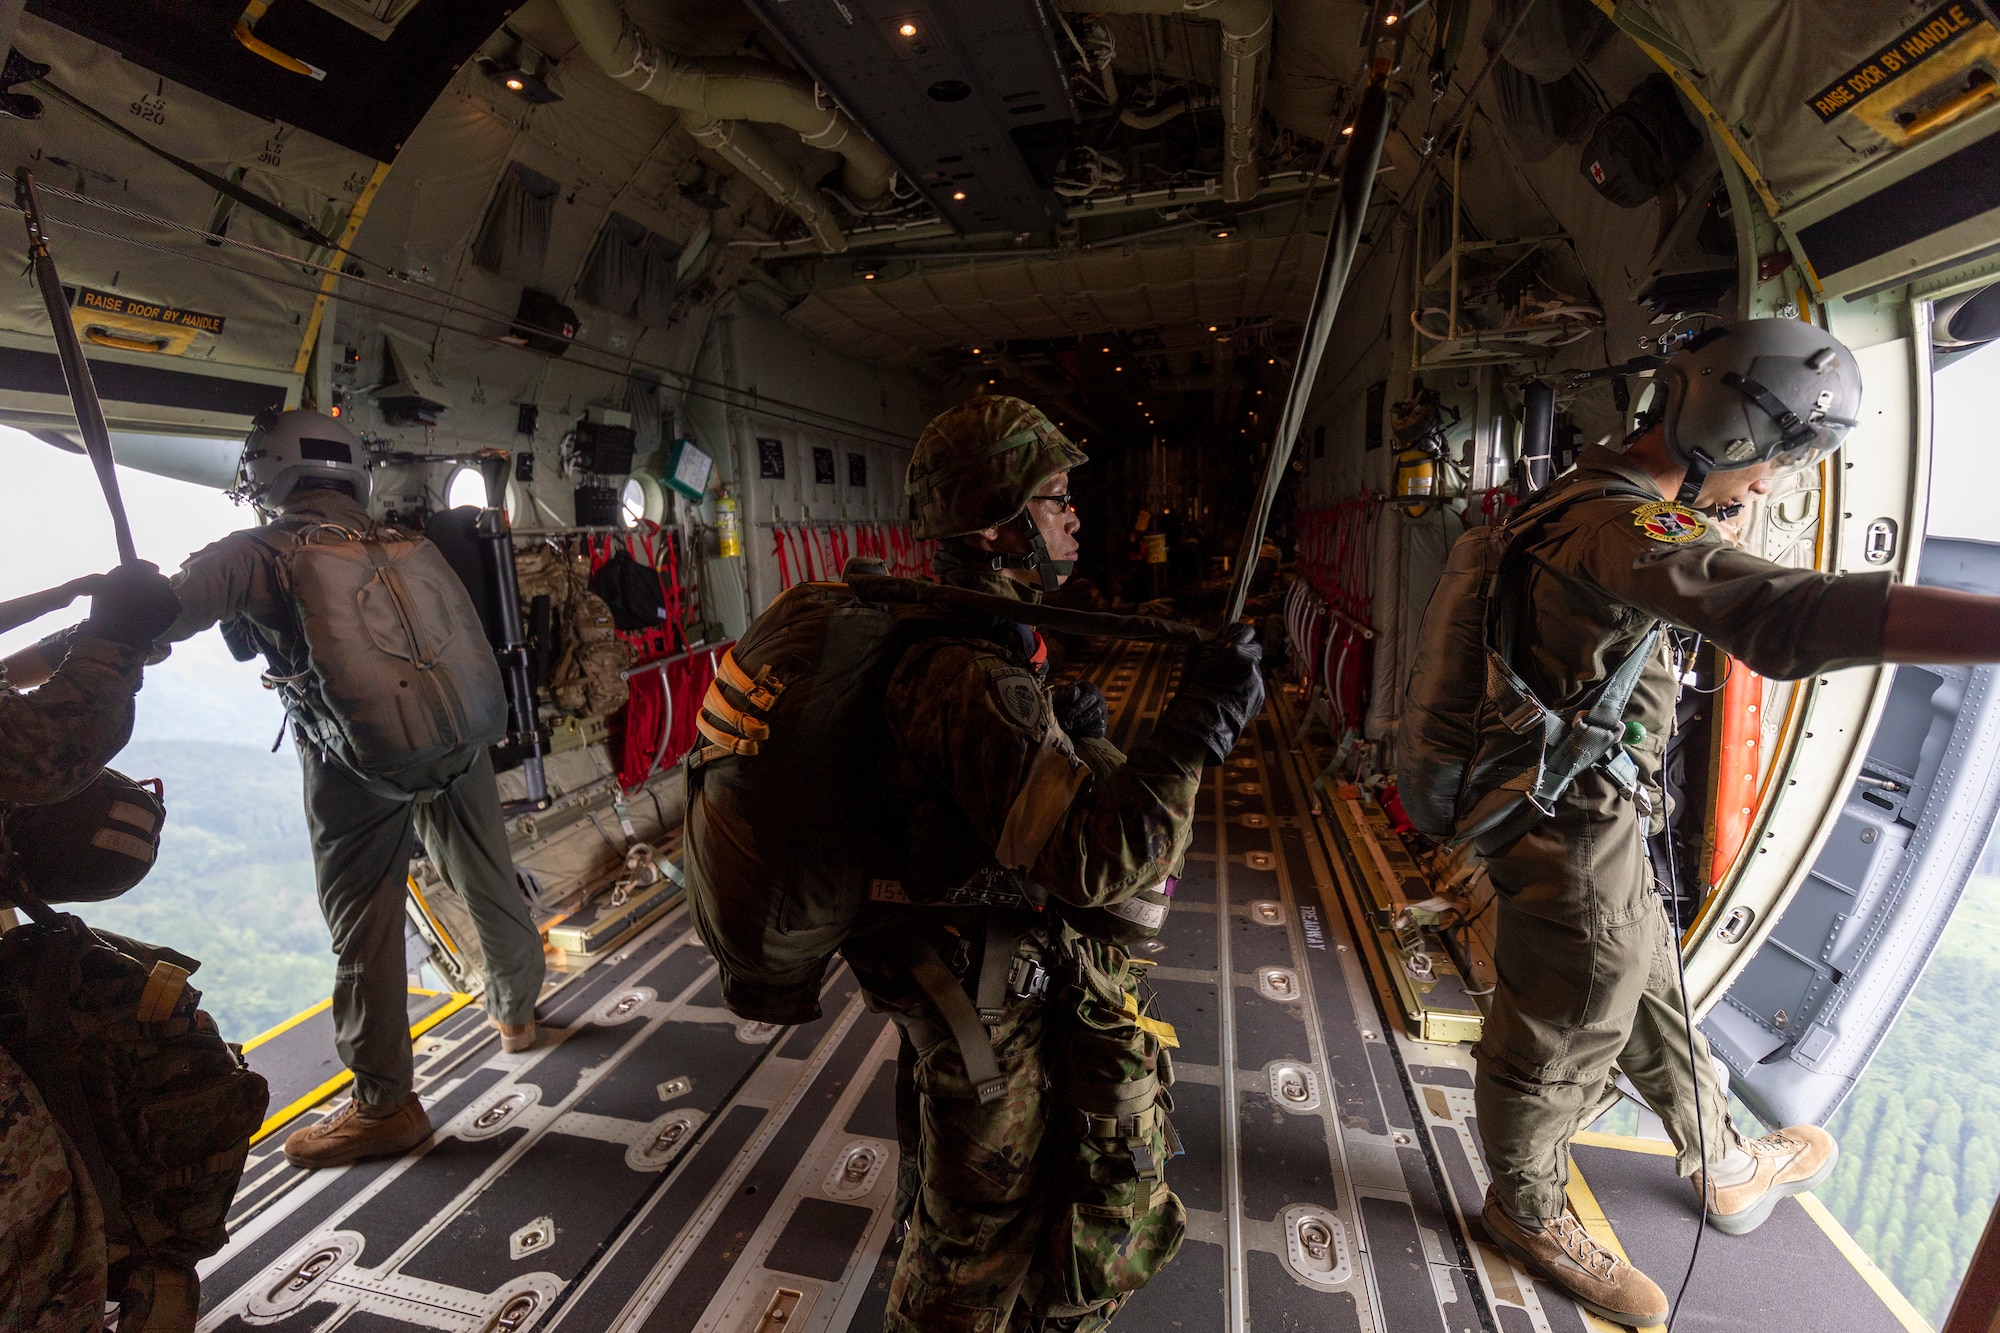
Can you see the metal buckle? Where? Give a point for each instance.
(1028, 980)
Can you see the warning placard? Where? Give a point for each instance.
(1929, 37)
(128, 307)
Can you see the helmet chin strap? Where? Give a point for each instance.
(1036, 558)
(1697, 477)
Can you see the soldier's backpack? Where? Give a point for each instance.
(400, 680)
(160, 1109)
(1479, 758)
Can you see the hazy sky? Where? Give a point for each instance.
(60, 529)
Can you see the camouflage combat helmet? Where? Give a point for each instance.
(977, 464)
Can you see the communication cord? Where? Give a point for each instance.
(1687, 1009)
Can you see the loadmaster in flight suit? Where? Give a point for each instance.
(53, 742)
(1588, 983)
(1043, 1203)
(303, 465)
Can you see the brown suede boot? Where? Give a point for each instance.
(518, 1036)
(1790, 1161)
(1563, 1252)
(350, 1134)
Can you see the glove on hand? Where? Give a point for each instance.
(1079, 708)
(133, 605)
(1221, 690)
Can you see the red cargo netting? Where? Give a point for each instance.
(817, 550)
(1327, 612)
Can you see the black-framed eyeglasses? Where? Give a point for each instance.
(1067, 503)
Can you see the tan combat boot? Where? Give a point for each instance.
(515, 1037)
(350, 1134)
(1790, 1161)
(1563, 1252)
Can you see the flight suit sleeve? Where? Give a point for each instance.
(1782, 622)
(54, 740)
(218, 583)
(971, 723)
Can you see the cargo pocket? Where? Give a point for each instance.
(1116, 1222)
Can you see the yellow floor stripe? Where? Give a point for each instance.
(288, 1024)
(1590, 1138)
(319, 1094)
(1899, 1304)
(1584, 1204)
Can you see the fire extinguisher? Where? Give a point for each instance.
(728, 526)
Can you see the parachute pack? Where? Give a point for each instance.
(788, 833)
(1479, 758)
(400, 679)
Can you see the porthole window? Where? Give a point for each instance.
(641, 499)
(466, 487)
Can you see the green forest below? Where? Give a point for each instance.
(1920, 1135)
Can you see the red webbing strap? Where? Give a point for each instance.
(784, 562)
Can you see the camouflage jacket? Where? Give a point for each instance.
(52, 1274)
(56, 739)
(967, 720)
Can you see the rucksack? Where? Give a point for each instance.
(160, 1109)
(1479, 758)
(400, 680)
(633, 591)
(586, 660)
(789, 827)
(1640, 145)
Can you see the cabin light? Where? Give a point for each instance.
(1389, 20)
(1211, 328)
(867, 271)
(908, 30)
(515, 83)
(975, 351)
(333, 411)
(1347, 130)
(1107, 349)
(958, 196)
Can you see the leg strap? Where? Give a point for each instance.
(975, 1044)
(996, 966)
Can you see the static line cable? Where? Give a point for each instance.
(76, 370)
(1687, 1008)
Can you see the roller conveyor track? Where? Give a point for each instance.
(660, 1165)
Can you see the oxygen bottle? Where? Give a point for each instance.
(728, 526)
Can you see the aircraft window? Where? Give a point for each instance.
(642, 499)
(467, 487)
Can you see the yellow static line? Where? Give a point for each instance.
(355, 215)
(1584, 1204)
(319, 1094)
(1899, 1304)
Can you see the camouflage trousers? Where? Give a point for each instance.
(52, 1256)
(1045, 1209)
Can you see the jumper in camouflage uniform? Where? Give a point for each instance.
(52, 1254)
(1045, 1206)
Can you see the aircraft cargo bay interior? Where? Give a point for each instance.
(1017, 666)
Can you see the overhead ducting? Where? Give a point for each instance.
(717, 94)
(1246, 39)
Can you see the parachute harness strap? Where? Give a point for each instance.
(954, 1006)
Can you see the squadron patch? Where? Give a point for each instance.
(1665, 521)
(1020, 699)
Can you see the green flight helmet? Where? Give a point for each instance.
(977, 465)
(1758, 390)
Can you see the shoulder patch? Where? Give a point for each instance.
(1665, 521)
(1020, 699)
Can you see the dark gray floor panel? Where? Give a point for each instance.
(1196, 885)
(1190, 1006)
(1281, 1302)
(1395, 1099)
(875, 1114)
(820, 1239)
(1402, 1274)
(1443, 1076)
(421, 1193)
(1252, 944)
(1285, 1157)
(710, 1264)
(582, 995)
(1196, 1174)
(706, 1053)
(621, 1274)
(309, 1318)
(1738, 1284)
(1189, 937)
(1339, 1026)
(1268, 1030)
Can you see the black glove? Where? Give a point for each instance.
(1221, 690)
(1079, 708)
(134, 606)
